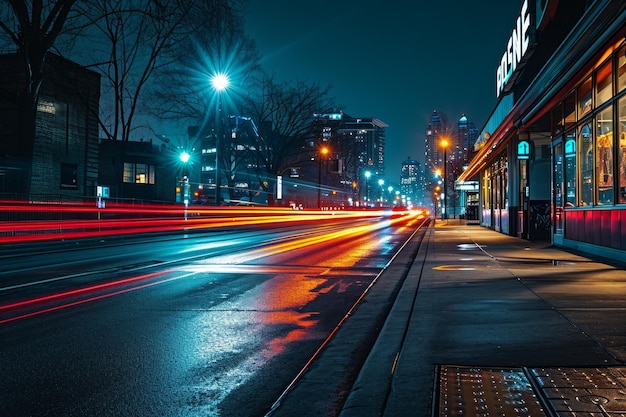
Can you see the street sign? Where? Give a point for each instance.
(523, 149)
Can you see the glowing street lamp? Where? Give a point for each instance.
(444, 144)
(322, 152)
(367, 187)
(220, 83)
(184, 158)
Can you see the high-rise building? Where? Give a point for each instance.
(466, 136)
(434, 130)
(457, 153)
(238, 168)
(434, 155)
(411, 182)
(358, 145)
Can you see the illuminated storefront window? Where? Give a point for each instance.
(569, 108)
(621, 69)
(591, 162)
(584, 98)
(604, 84)
(604, 156)
(621, 161)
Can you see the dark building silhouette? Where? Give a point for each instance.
(61, 158)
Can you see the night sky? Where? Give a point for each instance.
(395, 60)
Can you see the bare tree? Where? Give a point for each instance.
(128, 41)
(285, 114)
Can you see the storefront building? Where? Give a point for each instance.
(551, 160)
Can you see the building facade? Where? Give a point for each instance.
(61, 157)
(551, 160)
(134, 171)
(228, 158)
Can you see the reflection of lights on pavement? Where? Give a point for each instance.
(72, 298)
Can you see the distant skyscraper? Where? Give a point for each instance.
(466, 134)
(461, 138)
(431, 150)
(411, 181)
(433, 153)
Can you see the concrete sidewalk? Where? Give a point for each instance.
(486, 323)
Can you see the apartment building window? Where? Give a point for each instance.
(69, 176)
(137, 173)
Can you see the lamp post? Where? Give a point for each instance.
(220, 83)
(322, 152)
(444, 145)
(367, 187)
(184, 158)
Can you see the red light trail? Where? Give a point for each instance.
(151, 219)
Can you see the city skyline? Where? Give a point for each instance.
(443, 59)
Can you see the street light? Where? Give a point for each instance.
(184, 158)
(220, 83)
(367, 187)
(322, 152)
(444, 145)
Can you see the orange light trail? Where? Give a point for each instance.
(172, 218)
(248, 256)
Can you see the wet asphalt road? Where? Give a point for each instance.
(213, 324)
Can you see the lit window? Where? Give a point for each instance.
(584, 98)
(585, 140)
(604, 84)
(604, 156)
(569, 111)
(138, 173)
(621, 162)
(621, 69)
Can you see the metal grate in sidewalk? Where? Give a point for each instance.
(486, 392)
(531, 392)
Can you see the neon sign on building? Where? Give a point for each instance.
(516, 49)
